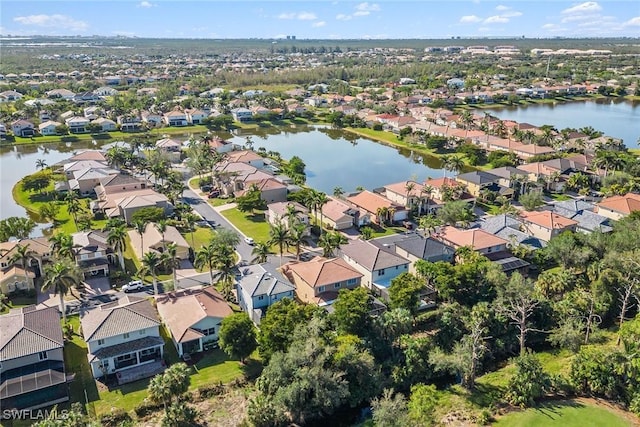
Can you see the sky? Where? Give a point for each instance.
(325, 19)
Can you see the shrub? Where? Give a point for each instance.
(146, 408)
(115, 418)
(207, 391)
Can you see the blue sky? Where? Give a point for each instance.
(322, 19)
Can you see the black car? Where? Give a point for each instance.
(212, 224)
(207, 187)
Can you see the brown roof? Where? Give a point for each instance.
(14, 271)
(322, 271)
(25, 331)
(335, 210)
(89, 155)
(547, 219)
(244, 156)
(39, 245)
(371, 202)
(623, 204)
(126, 315)
(475, 238)
(182, 309)
(401, 188)
(439, 182)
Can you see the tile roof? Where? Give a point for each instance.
(475, 238)
(371, 202)
(26, 330)
(335, 210)
(439, 182)
(243, 156)
(182, 309)
(126, 315)
(623, 204)
(371, 256)
(263, 279)
(401, 188)
(478, 177)
(91, 241)
(547, 219)
(322, 271)
(423, 247)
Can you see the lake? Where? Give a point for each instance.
(616, 118)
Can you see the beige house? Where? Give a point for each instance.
(617, 207)
(193, 317)
(281, 211)
(15, 278)
(38, 247)
(546, 224)
(399, 193)
(337, 215)
(374, 204)
(32, 359)
(475, 238)
(153, 240)
(319, 280)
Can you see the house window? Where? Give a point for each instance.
(142, 331)
(397, 267)
(124, 357)
(43, 355)
(336, 286)
(210, 331)
(351, 281)
(381, 272)
(100, 342)
(125, 336)
(261, 297)
(320, 288)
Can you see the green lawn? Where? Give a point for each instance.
(216, 367)
(385, 231)
(563, 414)
(559, 197)
(201, 237)
(254, 226)
(17, 302)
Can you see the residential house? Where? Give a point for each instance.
(583, 213)
(3, 131)
(48, 128)
(152, 120)
(176, 118)
(154, 241)
(283, 211)
(193, 316)
(241, 114)
(106, 125)
(378, 207)
(32, 373)
(129, 123)
(171, 148)
(125, 203)
(438, 188)
(246, 156)
(220, 145)
(477, 181)
(260, 286)
(475, 238)
(618, 207)
(377, 263)
(318, 281)
(511, 229)
(61, 94)
(84, 181)
(86, 98)
(338, 215)
(546, 224)
(77, 124)
(10, 96)
(415, 246)
(409, 194)
(195, 116)
(509, 176)
(105, 91)
(23, 128)
(122, 338)
(93, 254)
(69, 168)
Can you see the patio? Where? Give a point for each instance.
(139, 372)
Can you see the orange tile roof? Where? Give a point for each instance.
(439, 182)
(547, 219)
(624, 204)
(371, 202)
(322, 271)
(475, 238)
(401, 188)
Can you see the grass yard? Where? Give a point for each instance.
(559, 197)
(216, 367)
(566, 413)
(17, 302)
(254, 226)
(83, 388)
(199, 238)
(379, 231)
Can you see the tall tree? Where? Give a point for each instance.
(206, 257)
(238, 336)
(171, 261)
(140, 227)
(117, 239)
(23, 255)
(151, 262)
(260, 252)
(61, 277)
(161, 226)
(351, 312)
(279, 236)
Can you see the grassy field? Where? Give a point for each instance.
(566, 413)
(254, 226)
(199, 238)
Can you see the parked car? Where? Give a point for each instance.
(249, 241)
(212, 223)
(213, 194)
(133, 286)
(206, 187)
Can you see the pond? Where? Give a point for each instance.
(616, 118)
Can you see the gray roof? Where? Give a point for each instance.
(371, 256)
(508, 228)
(126, 315)
(495, 223)
(91, 241)
(263, 279)
(126, 347)
(478, 177)
(587, 220)
(507, 172)
(573, 205)
(26, 331)
(424, 248)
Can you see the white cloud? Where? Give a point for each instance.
(302, 16)
(511, 14)
(549, 26)
(368, 7)
(574, 18)
(501, 8)
(496, 19)
(343, 17)
(146, 4)
(633, 22)
(586, 7)
(318, 24)
(61, 22)
(470, 19)
(361, 13)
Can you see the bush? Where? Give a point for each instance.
(207, 391)
(146, 408)
(115, 418)
(529, 383)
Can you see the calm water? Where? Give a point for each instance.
(337, 159)
(618, 119)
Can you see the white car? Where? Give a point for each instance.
(249, 241)
(134, 285)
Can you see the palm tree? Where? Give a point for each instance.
(189, 221)
(161, 226)
(338, 191)
(41, 164)
(429, 223)
(62, 246)
(428, 190)
(117, 239)
(61, 277)
(206, 256)
(409, 186)
(321, 199)
(296, 237)
(330, 242)
(454, 164)
(151, 261)
(381, 214)
(140, 226)
(279, 235)
(170, 260)
(444, 159)
(23, 255)
(260, 252)
(73, 207)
